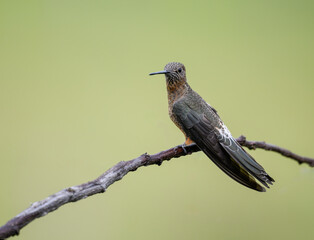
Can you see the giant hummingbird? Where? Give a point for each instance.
(201, 125)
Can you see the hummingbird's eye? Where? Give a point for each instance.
(180, 70)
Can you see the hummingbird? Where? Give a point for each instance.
(201, 125)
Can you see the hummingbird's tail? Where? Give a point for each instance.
(232, 169)
(234, 149)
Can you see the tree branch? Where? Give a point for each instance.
(116, 173)
(270, 147)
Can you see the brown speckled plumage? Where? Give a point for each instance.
(201, 124)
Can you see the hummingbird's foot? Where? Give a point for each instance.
(183, 147)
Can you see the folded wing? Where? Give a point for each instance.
(223, 150)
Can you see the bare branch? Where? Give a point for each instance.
(270, 147)
(116, 173)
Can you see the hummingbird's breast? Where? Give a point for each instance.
(194, 102)
(176, 93)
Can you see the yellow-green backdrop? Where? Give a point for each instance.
(76, 98)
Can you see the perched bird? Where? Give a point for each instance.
(201, 125)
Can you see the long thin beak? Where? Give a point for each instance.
(161, 72)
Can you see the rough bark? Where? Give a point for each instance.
(116, 173)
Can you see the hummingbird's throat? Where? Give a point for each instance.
(176, 89)
(174, 84)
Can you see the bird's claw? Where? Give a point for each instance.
(184, 149)
(182, 146)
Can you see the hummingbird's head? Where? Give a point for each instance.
(174, 72)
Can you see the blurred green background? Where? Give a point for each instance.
(76, 98)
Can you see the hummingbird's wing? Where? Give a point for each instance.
(199, 128)
(234, 149)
